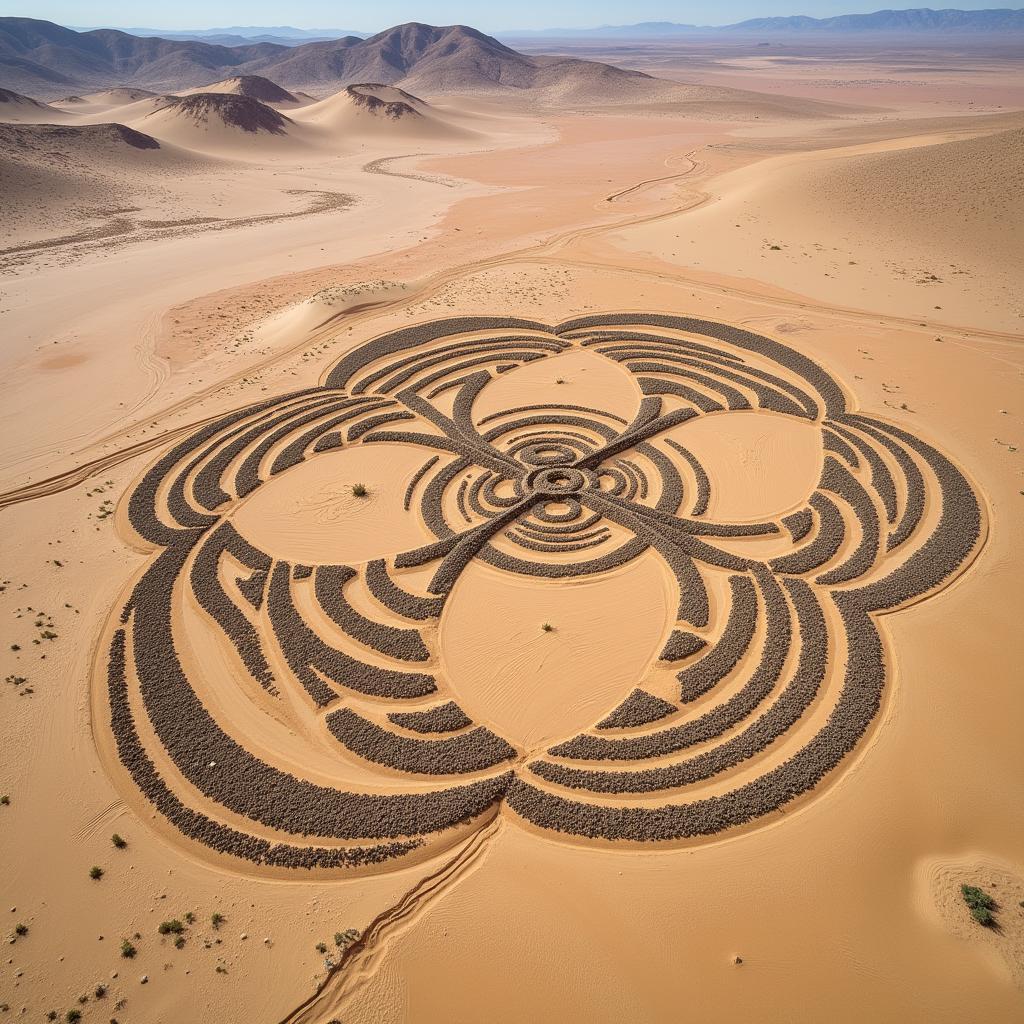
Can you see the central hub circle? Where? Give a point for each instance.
(558, 480)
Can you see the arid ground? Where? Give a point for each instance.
(633, 634)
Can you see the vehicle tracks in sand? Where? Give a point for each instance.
(361, 959)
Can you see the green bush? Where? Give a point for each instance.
(127, 949)
(359, 490)
(119, 841)
(980, 904)
(168, 927)
(95, 872)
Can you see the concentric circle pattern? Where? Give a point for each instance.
(772, 671)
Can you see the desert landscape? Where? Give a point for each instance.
(512, 525)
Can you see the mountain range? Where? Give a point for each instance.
(48, 61)
(894, 22)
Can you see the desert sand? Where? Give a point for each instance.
(540, 553)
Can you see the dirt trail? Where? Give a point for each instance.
(361, 959)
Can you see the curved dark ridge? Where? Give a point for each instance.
(913, 509)
(838, 479)
(559, 408)
(681, 644)
(417, 476)
(407, 368)
(725, 654)
(392, 641)
(460, 499)
(657, 386)
(592, 540)
(857, 706)
(799, 523)
(819, 380)
(545, 532)
(794, 700)
(457, 755)
(243, 783)
(215, 601)
(881, 478)
(639, 708)
(700, 503)
(294, 452)
(558, 436)
(420, 334)
(832, 442)
(247, 478)
(660, 342)
(142, 502)
(947, 547)
(641, 476)
(734, 398)
(490, 494)
(395, 599)
(197, 826)
(307, 654)
(768, 396)
(206, 484)
(443, 718)
(831, 531)
(628, 479)
(713, 723)
(560, 570)
(551, 418)
(357, 430)
(328, 442)
(514, 354)
(432, 499)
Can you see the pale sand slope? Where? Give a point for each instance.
(371, 111)
(928, 224)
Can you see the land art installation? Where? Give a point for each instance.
(779, 667)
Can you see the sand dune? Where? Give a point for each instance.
(18, 109)
(78, 181)
(381, 111)
(220, 123)
(964, 197)
(255, 87)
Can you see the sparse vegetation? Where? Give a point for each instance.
(174, 926)
(547, 627)
(190, 918)
(119, 841)
(128, 951)
(321, 947)
(95, 872)
(216, 919)
(100, 991)
(345, 938)
(980, 904)
(359, 491)
(72, 1016)
(21, 929)
(5, 800)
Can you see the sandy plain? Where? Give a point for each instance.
(841, 906)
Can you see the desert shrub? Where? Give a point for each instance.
(72, 1016)
(980, 904)
(119, 841)
(216, 919)
(168, 927)
(21, 929)
(95, 872)
(359, 490)
(127, 949)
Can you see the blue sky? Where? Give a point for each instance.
(186, 14)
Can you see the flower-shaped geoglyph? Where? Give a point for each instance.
(288, 707)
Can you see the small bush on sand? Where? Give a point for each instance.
(359, 490)
(95, 872)
(127, 949)
(119, 841)
(980, 904)
(174, 926)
